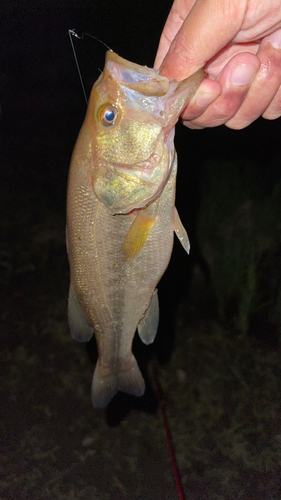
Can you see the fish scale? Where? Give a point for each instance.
(121, 216)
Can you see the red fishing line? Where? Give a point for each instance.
(162, 406)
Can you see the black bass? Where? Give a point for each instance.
(121, 216)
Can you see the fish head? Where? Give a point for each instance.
(131, 114)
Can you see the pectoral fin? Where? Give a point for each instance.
(79, 328)
(147, 327)
(180, 231)
(137, 235)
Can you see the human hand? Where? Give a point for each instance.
(239, 43)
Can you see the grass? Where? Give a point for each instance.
(239, 231)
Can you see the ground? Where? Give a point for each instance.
(221, 390)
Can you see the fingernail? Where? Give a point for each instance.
(205, 99)
(243, 74)
(275, 39)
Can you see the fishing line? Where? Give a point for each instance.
(162, 406)
(74, 33)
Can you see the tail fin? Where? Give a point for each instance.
(104, 387)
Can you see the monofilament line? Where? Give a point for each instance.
(73, 33)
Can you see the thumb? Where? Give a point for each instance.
(209, 27)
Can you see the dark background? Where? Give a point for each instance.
(42, 105)
(54, 444)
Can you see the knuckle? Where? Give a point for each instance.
(184, 50)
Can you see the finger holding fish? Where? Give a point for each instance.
(217, 34)
(235, 81)
(264, 86)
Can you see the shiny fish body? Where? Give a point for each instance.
(121, 216)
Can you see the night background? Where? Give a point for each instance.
(217, 351)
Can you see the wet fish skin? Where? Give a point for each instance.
(121, 217)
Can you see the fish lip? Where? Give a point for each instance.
(117, 66)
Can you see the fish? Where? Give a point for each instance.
(121, 216)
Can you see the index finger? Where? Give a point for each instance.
(209, 27)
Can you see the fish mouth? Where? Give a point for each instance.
(124, 188)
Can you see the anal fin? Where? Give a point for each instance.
(180, 231)
(147, 327)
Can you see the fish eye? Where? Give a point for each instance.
(107, 115)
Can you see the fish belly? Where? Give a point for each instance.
(109, 294)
